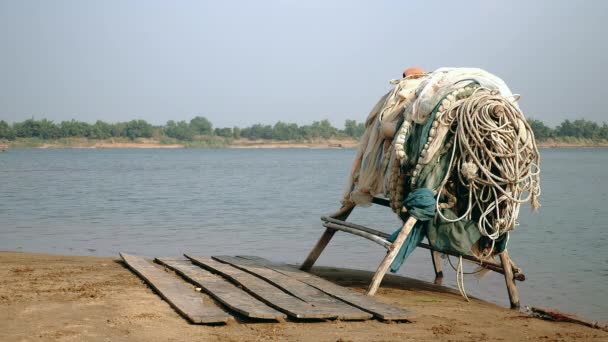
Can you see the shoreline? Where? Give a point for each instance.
(57, 297)
(254, 144)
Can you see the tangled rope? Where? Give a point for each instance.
(495, 156)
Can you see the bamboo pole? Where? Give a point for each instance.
(382, 242)
(390, 256)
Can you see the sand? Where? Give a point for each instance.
(73, 298)
(236, 144)
(320, 144)
(112, 145)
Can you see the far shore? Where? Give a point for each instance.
(155, 144)
(239, 144)
(78, 298)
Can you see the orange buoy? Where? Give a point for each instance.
(413, 71)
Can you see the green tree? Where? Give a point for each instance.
(257, 131)
(100, 130)
(138, 129)
(201, 126)
(354, 129)
(74, 128)
(118, 129)
(541, 131)
(285, 131)
(319, 129)
(604, 132)
(180, 130)
(30, 128)
(225, 132)
(580, 128)
(236, 132)
(6, 131)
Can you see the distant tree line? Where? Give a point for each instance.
(181, 130)
(580, 128)
(201, 127)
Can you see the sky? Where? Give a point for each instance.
(244, 62)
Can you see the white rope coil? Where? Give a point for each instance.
(495, 156)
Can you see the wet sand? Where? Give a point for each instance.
(74, 298)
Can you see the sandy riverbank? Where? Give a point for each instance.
(571, 145)
(115, 145)
(68, 298)
(81, 143)
(321, 144)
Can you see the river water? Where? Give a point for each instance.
(268, 203)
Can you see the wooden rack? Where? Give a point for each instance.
(337, 222)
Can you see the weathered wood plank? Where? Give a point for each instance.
(305, 292)
(179, 295)
(222, 290)
(365, 303)
(263, 290)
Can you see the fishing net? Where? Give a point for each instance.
(459, 133)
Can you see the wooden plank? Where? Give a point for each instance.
(365, 303)
(263, 290)
(223, 291)
(179, 295)
(299, 289)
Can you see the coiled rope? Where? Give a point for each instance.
(495, 156)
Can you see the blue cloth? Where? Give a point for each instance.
(420, 204)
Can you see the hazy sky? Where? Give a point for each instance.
(243, 62)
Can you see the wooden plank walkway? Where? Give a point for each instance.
(222, 290)
(299, 289)
(179, 295)
(264, 291)
(363, 302)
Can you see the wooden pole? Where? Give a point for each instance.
(390, 256)
(553, 315)
(314, 254)
(506, 265)
(375, 238)
(437, 267)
